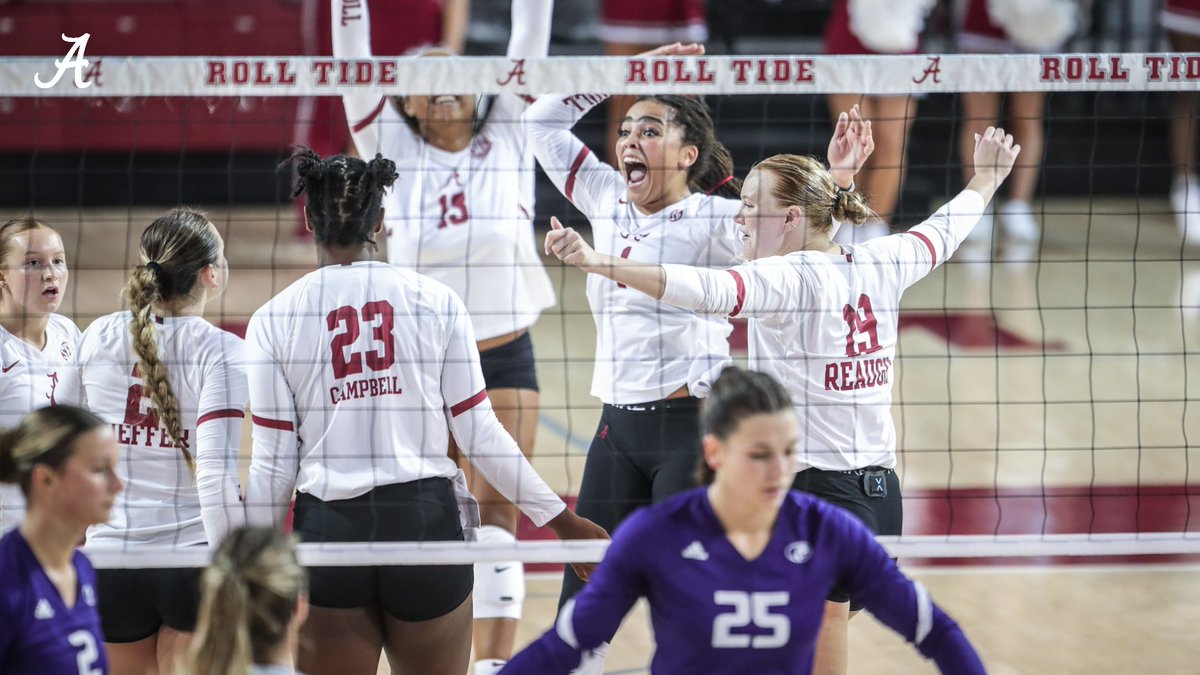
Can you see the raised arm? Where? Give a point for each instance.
(375, 124)
(573, 168)
(455, 15)
(929, 244)
(530, 28)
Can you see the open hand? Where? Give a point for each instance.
(852, 143)
(568, 525)
(995, 154)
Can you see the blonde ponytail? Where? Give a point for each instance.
(250, 593)
(174, 249)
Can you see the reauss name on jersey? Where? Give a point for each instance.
(148, 436)
(364, 387)
(851, 375)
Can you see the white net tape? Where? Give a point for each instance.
(459, 553)
(301, 76)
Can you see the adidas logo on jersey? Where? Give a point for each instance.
(695, 551)
(43, 610)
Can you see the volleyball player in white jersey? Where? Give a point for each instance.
(174, 388)
(35, 341)
(670, 200)
(824, 321)
(359, 372)
(461, 212)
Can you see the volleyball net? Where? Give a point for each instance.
(1045, 382)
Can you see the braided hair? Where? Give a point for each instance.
(344, 195)
(175, 248)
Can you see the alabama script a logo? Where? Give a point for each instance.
(74, 60)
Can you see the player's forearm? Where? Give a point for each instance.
(455, 14)
(495, 454)
(351, 24)
(700, 290)
(649, 279)
(947, 228)
(272, 480)
(221, 508)
(530, 28)
(986, 185)
(954, 653)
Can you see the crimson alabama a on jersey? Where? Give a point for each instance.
(826, 327)
(645, 349)
(163, 503)
(355, 371)
(463, 218)
(28, 381)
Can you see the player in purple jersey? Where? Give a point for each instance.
(737, 573)
(64, 460)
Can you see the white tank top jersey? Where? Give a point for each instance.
(163, 503)
(355, 372)
(826, 326)
(29, 379)
(645, 349)
(463, 218)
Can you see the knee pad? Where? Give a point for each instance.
(499, 586)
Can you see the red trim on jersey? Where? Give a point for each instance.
(220, 414)
(741, 288)
(371, 117)
(272, 424)
(527, 98)
(928, 245)
(570, 191)
(460, 408)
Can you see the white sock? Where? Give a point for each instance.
(489, 666)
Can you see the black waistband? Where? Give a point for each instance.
(855, 472)
(662, 404)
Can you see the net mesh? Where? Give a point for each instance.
(1044, 397)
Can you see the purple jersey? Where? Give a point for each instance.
(39, 635)
(714, 611)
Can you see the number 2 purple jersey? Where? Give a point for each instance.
(39, 635)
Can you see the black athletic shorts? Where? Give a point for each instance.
(135, 603)
(641, 455)
(510, 366)
(423, 510)
(882, 513)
